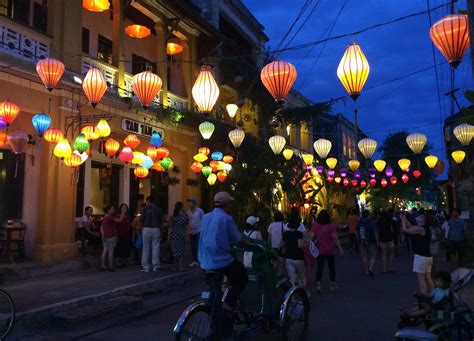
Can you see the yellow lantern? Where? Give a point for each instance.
(73, 161)
(458, 156)
(206, 129)
(353, 70)
(90, 132)
(416, 142)
(354, 165)
(331, 162)
(205, 90)
(277, 143)
(288, 154)
(62, 149)
(464, 133)
(322, 147)
(103, 128)
(367, 147)
(138, 157)
(232, 109)
(211, 179)
(200, 157)
(236, 137)
(308, 159)
(379, 165)
(404, 164)
(431, 161)
(141, 172)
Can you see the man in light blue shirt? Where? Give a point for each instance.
(218, 233)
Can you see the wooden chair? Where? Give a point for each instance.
(17, 242)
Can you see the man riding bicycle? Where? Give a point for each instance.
(218, 233)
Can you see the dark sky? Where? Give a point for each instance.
(393, 51)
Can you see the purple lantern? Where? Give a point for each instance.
(331, 173)
(343, 172)
(320, 169)
(3, 124)
(357, 174)
(372, 172)
(308, 168)
(389, 171)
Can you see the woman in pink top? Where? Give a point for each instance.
(324, 233)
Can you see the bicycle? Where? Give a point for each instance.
(7, 314)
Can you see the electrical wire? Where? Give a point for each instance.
(298, 17)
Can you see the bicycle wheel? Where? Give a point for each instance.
(194, 324)
(7, 314)
(294, 315)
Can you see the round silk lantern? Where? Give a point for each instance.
(62, 149)
(137, 31)
(162, 152)
(380, 165)
(322, 147)
(205, 90)
(141, 172)
(52, 135)
(91, 132)
(166, 163)
(236, 137)
(206, 171)
(228, 159)
(103, 128)
(9, 111)
(41, 122)
(50, 71)
(416, 142)
(331, 162)
(196, 167)
(146, 85)
(278, 78)
(217, 156)
(199, 157)
(354, 165)
(287, 154)
(132, 141)
(206, 129)
(81, 144)
(204, 150)
(367, 147)
(458, 156)
(156, 140)
(138, 157)
(126, 155)
(404, 164)
(111, 147)
(277, 143)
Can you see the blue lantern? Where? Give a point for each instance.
(41, 122)
(147, 162)
(156, 140)
(3, 124)
(217, 156)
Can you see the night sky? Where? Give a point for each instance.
(393, 51)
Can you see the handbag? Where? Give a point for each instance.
(313, 247)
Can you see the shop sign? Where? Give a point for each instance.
(141, 128)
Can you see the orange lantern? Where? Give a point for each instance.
(140, 172)
(9, 111)
(50, 71)
(73, 161)
(228, 159)
(214, 164)
(137, 31)
(94, 85)
(132, 141)
(158, 167)
(173, 47)
(393, 180)
(222, 176)
(451, 36)
(53, 135)
(196, 167)
(146, 86)
(3, 139)
(204, 150)
(96, 5)
(278, 78)
(111, 147)
(162, 152)
(90, 132)
(151, 152)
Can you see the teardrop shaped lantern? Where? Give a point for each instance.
(206, 171)
(431, 161)
(137, 31)
(232, 109)
(228, 159)
(322, 147)
(277, 143)
(288, 154)
(80, 143)
(18, 141)
(91, 132)
(126, 155)
(162, 152)
(278, 78)
(50, 71)
(236, 137)
(416, 142)
(9, 111)
(404, 164)
(204, 150)
(111, 147)
(367, 147)
(53, 135)
(94, 85)
(62, 149)
(132, 141)
(156, 140)
(353, 70)
(206, 129)
(211, 179)
(379, 165)
(96, 5)
(141, 172)
(458, 156)
(103, 128)
(308, 159)
(166, 163)
(205, 90)
(146, 85)
(41, 122)
(151, 152)
(331, 162)
(73, 161)
(451, 36)
(138, 157)
(464, 133)
(196, 167)
(405, 178)
(354, 165)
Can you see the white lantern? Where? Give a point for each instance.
(232, 109)
(416, 142)
(367, 147)
(206, 129)
(322, 147)
(236, 136)
(464, 133)
(277, 143)
(205, 90)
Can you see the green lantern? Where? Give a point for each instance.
(206, 170)
(80, 143)
(166, 163)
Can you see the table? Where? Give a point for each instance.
(9, 231)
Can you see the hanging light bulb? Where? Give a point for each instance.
(94, 86)
(367, 147)
(103, 128)
(308, 159)
(205, 90)
(353, 70)
(111, 147)
(141, 172)
(18, 141)
(90, 132)
(277, 143)
(287, 154)
(451, 36)
(431, 161)
(232, 109)
(331, 162)
(416, 142)
(126, 155)
(211, 179)
(162, 152)
(278, 78)
(404, 164)
(50, 71)
(146, 85)
(236, 137)
(156, 139)
(379, 165)
(52, 135)
(458, 156)
(41, 122)
(354, 165)
(464, 133)
(96, 5)
(132, 141)
(322, 147)
(9, 111)
(206, 129)
(137, 31)
(62, 149)
(80, 143)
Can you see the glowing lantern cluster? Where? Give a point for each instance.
(146, 85)
(458, 156)
(431, 161)
(404, 164)
(9, 111)
(236, 137)
(278, 78)
(50, 71)
(111, 147)
(206, 129)
(94, 85)
(416, 142)
(132, 141)
(353, 70)
(53, 135)
(205, 90)
(464, 133)
(137, 31)
(380, 165)
(96, 5)
(277, 143)
(367, 147)
(322, 147)
(41, 123)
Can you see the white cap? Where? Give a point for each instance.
(252, 220)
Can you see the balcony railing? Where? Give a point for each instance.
(177, 102)
(108, 71)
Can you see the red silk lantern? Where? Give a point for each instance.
(363, 183)
(405, 178)
(354, 182)
(204, 150)
(345, 182)
(214, 164)
(329, 179)
(162, 152)
(278, 78)
(111, 147)
(146, 86)
(137, 31)
(416, 174)
(196, 167)
(228, 159)
(53, 135)
(373, 182)
(94, 85)
(3, 139)
(140, 172)
(50, 71)
(393, 180)
(9, 111)
(151, 152)
(222, 176)
(383, 182)
(132, 141)
(126, 155)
